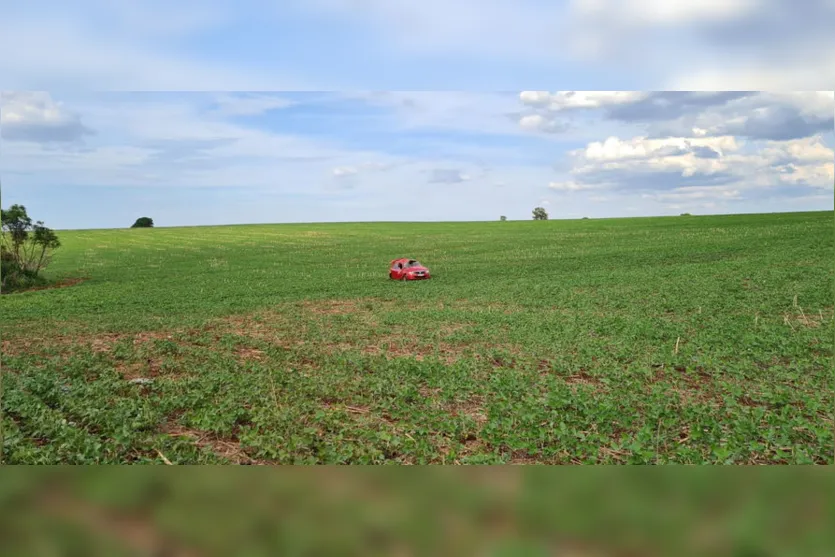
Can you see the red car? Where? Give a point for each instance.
(408, 269)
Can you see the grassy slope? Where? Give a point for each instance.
(548, 342)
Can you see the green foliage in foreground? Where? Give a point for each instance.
(663, 340)
(500, 511)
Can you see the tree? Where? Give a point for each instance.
(143, 222)
(502, 218)
(25, 248)
(540, 214)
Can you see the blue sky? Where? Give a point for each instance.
(484, 45)
(93, 160)
(430, 110)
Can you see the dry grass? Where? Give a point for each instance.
(228, 449)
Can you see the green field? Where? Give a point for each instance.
(654, 340)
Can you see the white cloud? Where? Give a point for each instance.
(344, 171)
(167, 143)
(637, 148)
(570, 186)
(366, 167)
(806, 150)
(35, 116)
(642, 13)
(690, 193)
(691, 168)
(578, 99)
(779, 116)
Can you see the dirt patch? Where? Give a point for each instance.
(583, 378)
(292, 326)
(472, 408)
(40, 345)
(228, 448)
(616, 455)
(99, 343)
(272, 328)
(522, 458)
(394, 347)
(339, 307)
(246, 354)
(137, 370)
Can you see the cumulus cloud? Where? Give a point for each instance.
(768, 116)
(34, 116)
(779, 116)
(678, 168)
(538, 122)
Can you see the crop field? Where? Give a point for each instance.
(642, 341)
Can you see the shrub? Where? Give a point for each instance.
(25, 249)
(143, 222)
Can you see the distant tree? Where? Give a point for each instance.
(143, 222)
(25, 248)
(685, 214)
(585, 218)
(540, 214)
(502, 218)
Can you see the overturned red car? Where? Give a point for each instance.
(408, 269)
